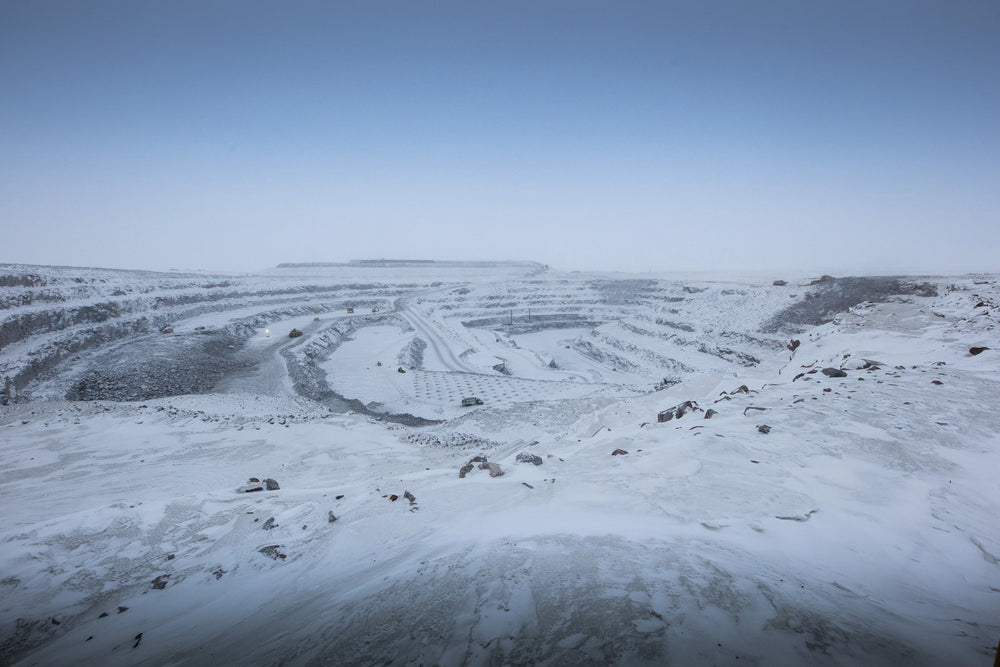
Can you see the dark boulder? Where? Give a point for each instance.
(977, 350)
(834, 373)
(528, 457)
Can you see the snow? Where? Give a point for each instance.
(860, 530)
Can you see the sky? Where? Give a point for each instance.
(828, 137)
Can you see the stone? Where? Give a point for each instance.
(834, 373)
(331, 517)
(271, 485)
(794, 344)
(494, 469)
(271, 551)
(977, 350)
(528, 457)
(677, 411)
(161, 582)
(619, 452)
(779, 283)
(409, 496)
(710, 412)
(269, 524)
(764, 428)
(294, 333)
(393, 498)
(465, 470)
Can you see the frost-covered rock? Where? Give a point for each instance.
(528, 457)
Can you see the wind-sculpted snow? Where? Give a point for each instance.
(829, 500)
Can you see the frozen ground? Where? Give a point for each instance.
(859, 530)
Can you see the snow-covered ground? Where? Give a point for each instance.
(858, 529)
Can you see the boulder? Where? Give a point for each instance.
(294, 333)
(619, 452)
(764, 428)
(464, 470)
(794, 344)
(271, 485)
(977, 350)
(528, 457)
(271, 551)
(677, 411)
(331, 517)
(779, 283)
(834, 373)
(709, 413)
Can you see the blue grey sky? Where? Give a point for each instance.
(840, 137)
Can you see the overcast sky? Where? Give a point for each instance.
(841, 137)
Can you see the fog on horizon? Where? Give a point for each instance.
(722, 136)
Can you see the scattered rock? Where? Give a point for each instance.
(619, 452)
(269, 524)
(528, 457)
(779, 283)
(834, 373)
(465, 470)
(794, 344)
(409, 496)
(494, 469)
(104, 614)
(677, 411)
(751, 407)
(331, 517)
(710, 412)
(122, 610)
(294, 333)
(271, 484)
(161, 582)
(271, 551)
(252, 485)
(218, 572)
(400, 370)
(393, 498)
(764, 428)
(977, 350)
(138, 638)
(936, 382)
